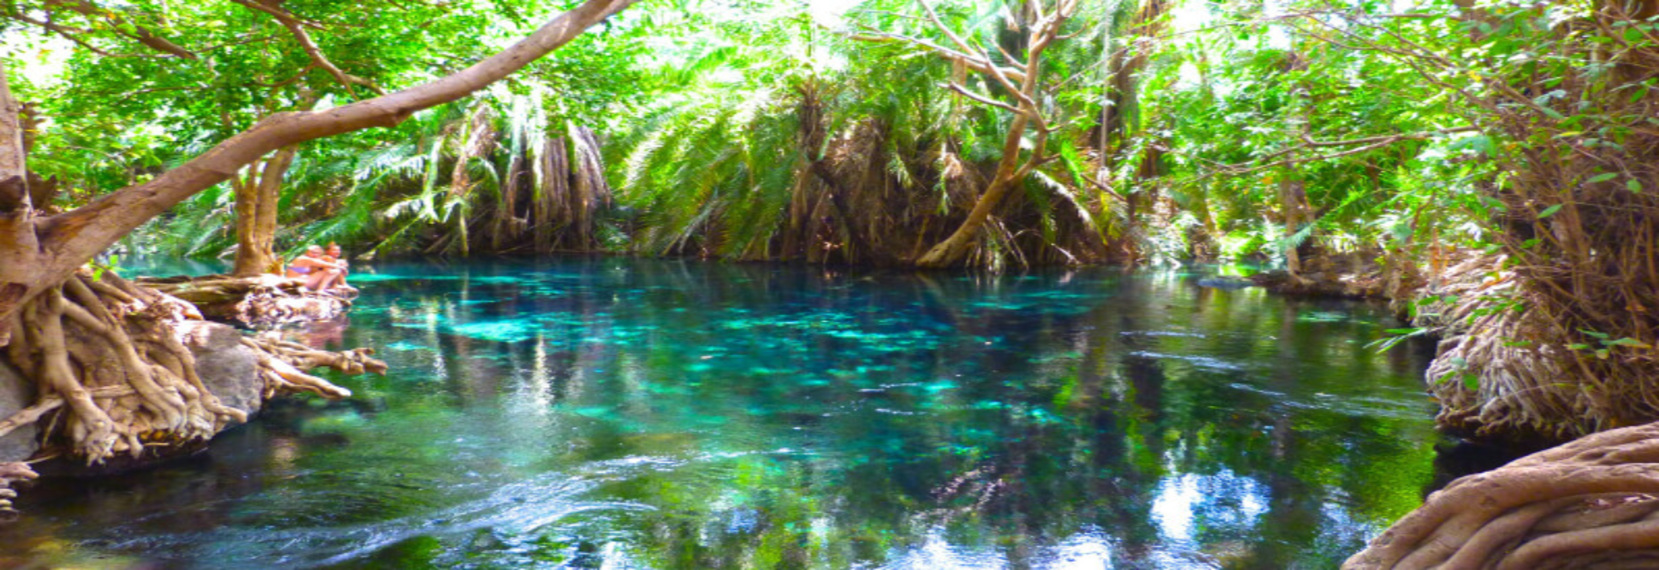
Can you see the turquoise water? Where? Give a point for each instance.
(620, 413)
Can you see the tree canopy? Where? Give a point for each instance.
(831, 131)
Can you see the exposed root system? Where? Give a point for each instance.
(259, 301)
(113, 373)
(283, 364)
(106, 351)
(1592, 503)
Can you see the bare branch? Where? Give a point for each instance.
(279, 13)
(66, 33)
(1011, 59)
(296, 27)
(1368, 144)
(934, 17)
(983, 99)
(1103, 188)
(970, 61)
(122, 25)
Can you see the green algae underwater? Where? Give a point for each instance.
(586, 412)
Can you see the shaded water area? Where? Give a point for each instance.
(621, 413)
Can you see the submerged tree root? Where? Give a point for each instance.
(1592, 503)
(259, 301)
(113, 373)
(283, 364)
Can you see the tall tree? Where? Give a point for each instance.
(1024, 84)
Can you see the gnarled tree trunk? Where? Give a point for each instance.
(1012, 169)
(258, 195)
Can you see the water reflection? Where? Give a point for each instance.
(614, 413)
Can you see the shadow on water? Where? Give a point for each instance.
(617, 413)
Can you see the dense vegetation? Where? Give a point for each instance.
(790, 130)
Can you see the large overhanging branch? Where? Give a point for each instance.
(67, 241)
(296, 28)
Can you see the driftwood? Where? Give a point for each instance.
(259, 301)
(1592, 503)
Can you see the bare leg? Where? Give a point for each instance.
(331, 278)
(316, 280)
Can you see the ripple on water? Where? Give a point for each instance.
(511, 512)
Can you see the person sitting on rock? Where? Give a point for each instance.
(334, 255)
(318, 273)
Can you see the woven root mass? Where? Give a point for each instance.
(1592, 503)
(113, 374)
(261, 301)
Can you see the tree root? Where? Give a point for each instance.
(12, 473)
(282, 364)
(259, 301)
(114, 375)
(1592, 503)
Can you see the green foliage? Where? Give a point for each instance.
(699, 110)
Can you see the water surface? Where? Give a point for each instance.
(619, 413)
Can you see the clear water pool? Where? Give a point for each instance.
(621, 413)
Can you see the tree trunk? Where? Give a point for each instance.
(19, 247)
(954, 248)
(1290, 204)
(257, 200)
(1011, 169)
